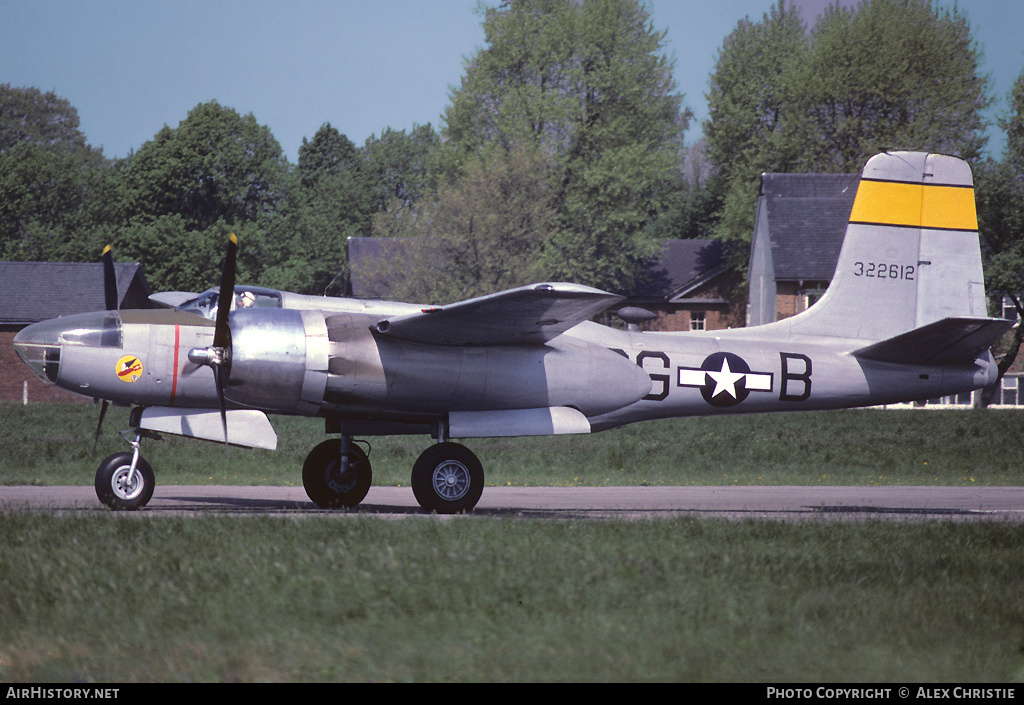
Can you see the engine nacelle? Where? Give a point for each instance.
(278, 359)
(299, 362)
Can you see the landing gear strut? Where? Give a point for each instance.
(125, 481)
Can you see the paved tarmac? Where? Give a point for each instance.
(798, 503)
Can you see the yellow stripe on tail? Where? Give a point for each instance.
(915, 205)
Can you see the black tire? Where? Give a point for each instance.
(447, 478)
(112, 487)
(326, 486)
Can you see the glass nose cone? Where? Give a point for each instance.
(39, 345)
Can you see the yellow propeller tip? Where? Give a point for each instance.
(106, 249)
(233, 238)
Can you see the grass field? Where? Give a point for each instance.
(120, 597)
(347, 598)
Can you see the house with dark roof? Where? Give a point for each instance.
(36, 291)
(688, 286)
(798, 232)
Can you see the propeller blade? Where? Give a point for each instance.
(218, 371)
(221, 333)
(109, 280)
(99, 424)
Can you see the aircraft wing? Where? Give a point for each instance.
(947, 341)
(528, 315)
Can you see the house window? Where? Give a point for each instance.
(810, 297)
(1010, 390)
(698, 320)
(1009, 310)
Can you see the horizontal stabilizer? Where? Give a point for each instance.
(528, 315)
(950, 340)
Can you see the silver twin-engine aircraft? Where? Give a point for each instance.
(903, 319)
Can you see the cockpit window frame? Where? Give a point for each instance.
(107, 335)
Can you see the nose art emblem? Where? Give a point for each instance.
(129, 368)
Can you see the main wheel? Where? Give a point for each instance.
(326, 485)
(447, 478)
(114, 488)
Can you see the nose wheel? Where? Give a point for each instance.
(125, 481)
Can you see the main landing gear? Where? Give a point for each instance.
(447, 478)
(337, 474)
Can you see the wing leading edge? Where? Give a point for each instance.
(528, 315)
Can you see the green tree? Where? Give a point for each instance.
(586, 85)
(332, 195)
(177, 257)
(51, 205)
(399, 165)
(330, 198)
(185, 189)
(53, 187)
(888, 74)
(328, 153)
(476, 235)
(216, 165)
(750, 99)
(27, 115)
(1013, 124)
(1000, 196)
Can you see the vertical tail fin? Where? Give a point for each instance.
(911, 255)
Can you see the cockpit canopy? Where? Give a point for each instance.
(245, 297)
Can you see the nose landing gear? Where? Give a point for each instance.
(125, 481)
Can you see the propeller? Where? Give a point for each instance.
(109, 280)
(218, 356)
(110, 302)
(99, 424)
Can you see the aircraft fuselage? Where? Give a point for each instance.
(333, 365)
(749, 371)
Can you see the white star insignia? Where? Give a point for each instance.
(725, 380)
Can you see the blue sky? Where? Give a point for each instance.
(132, 66)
